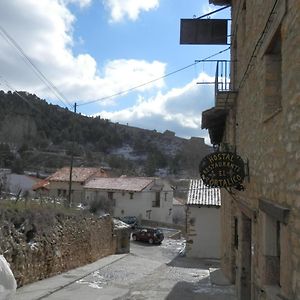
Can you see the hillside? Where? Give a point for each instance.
(38, 136)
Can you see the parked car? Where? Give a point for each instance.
(130, 220)
(150, 235)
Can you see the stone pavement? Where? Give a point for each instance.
(44, 288)
(148, 273)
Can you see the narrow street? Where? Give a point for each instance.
(148, 272)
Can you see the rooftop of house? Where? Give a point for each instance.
(130, 184)
(118, 224)
(78, 174)
(178, 201)
(201, 195)
(42, 184)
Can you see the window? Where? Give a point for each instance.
(61, 193)
(271, 249)
(131, 195)
(156, 202)
(110, 195)
(148, 214)
(272, 89)
(236, 235)
(166, 194)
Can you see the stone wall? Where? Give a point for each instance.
(270, 139)
(41, 244)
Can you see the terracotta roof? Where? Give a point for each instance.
(199, 194)
(42, 184)
(133, 184)
(78, 174)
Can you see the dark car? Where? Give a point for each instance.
(150, 235)
(130, 220)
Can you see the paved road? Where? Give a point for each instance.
(148, 272)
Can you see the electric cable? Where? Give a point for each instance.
(39, 73)
(153, 80)
(21, 96)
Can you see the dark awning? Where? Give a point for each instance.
(203, 31)
(214, 120)
(220, 2)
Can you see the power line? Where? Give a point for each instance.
(41, 76)
(62, 98)
(21, 96)
(153, 80)
(258, 44)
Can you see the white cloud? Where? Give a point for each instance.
(81, 3)
(121, 9)
(178, 109)
(44, 30)
(207, 8)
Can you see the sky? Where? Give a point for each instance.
(102, 54)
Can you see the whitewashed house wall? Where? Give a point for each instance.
(136, 203)
(204, 237)
(203, 221)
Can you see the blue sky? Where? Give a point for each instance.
(93, 49)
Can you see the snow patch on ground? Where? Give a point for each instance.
(97, 281)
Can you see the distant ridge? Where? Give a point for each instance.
(38, 136)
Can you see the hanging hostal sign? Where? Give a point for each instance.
(222, 169)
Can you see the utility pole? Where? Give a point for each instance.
(71, 161)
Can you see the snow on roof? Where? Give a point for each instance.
(78, 174)
(199, 194)
(132, 184)
(178, 201)
(118, 224)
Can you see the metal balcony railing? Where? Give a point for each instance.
(222, 82)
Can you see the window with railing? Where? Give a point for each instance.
(222, 82)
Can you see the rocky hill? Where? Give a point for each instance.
(38, 136)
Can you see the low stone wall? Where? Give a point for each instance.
(38, 245)
(151, 223)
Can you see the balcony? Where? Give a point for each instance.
(214, 119)
(224, 93)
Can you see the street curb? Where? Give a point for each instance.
(26, 291)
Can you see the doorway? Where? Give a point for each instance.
(246, 258)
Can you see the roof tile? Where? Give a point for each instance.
(199, 194)
(78, 174)
(133, 184)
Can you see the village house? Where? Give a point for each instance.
(203, 221)
(179, 211)
(57, 185)
(256, 115)
(17, 184)
(142, 197)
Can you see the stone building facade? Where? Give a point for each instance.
(257, 114)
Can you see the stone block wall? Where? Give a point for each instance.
(41, 246)
(269, 139)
